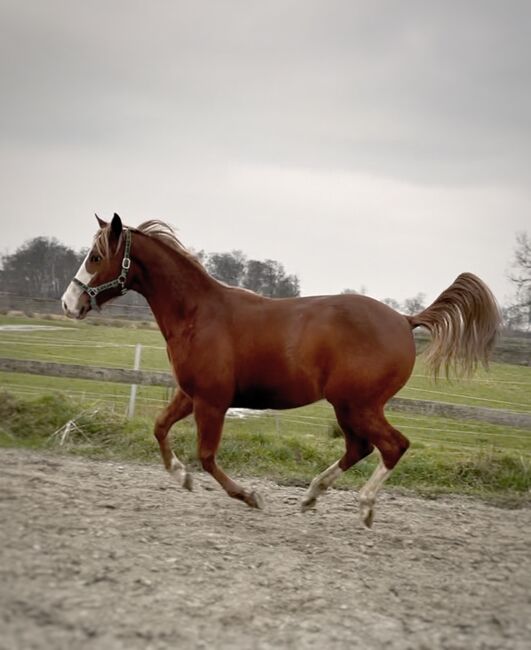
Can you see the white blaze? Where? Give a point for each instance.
(70, 298)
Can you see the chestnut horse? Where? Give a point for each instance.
(233, 348)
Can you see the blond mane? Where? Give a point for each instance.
(153, 228)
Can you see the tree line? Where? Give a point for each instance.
(516, 314)
(266, 277)
(43, 267)
(410, 306)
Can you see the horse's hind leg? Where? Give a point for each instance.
(180, 406)
(392, 445)
(356, 448)
(209, 428)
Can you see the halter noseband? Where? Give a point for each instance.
(118, 282)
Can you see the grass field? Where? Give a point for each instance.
(505, 386)
(446, 455)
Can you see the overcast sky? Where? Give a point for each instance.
(377, 144)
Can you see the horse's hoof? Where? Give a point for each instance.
(188, 482)
(255, 500)
(308, 504)
(367, 515)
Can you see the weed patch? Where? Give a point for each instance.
(254, 447)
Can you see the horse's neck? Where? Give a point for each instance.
(174, 286)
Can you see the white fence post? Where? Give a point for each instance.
(132, 396)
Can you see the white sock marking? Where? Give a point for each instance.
(375, 482)
(176, 465)
(322, 482)
(369, 491)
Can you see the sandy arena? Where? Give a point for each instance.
(103, 555)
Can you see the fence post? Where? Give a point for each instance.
(132, 396)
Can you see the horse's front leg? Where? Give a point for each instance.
(209, 428)
(180, 406)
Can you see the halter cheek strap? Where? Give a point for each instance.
(112, 284)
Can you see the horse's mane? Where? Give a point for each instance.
(154, 228)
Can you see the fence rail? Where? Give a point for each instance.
(75, 371)
(151, 378)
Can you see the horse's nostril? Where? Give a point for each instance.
(64, 305)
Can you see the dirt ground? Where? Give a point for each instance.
(103, 555)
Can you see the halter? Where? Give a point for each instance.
(118, 282)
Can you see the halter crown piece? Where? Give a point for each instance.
(118, 282)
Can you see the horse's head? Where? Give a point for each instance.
(103, 273)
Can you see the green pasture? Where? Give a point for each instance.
(289, 446)
(85, 343)
(504, 386)
(480, 460)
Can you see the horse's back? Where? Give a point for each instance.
(365, 345)
(308, 348)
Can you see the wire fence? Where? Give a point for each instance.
(490, 400)
(66, 345)
(130, 307)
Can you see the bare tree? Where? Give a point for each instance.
(362, 291)
(415, 304)
(519, 314)
(391, 302)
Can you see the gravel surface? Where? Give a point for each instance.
(107, 555)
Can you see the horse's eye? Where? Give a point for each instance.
(95, 258)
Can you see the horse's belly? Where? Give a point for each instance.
(264, 397)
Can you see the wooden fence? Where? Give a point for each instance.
(142, 377)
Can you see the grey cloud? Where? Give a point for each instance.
(428, 92)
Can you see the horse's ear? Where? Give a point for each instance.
(116, 226)
(101, 223)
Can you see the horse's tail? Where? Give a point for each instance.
(464, 322)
